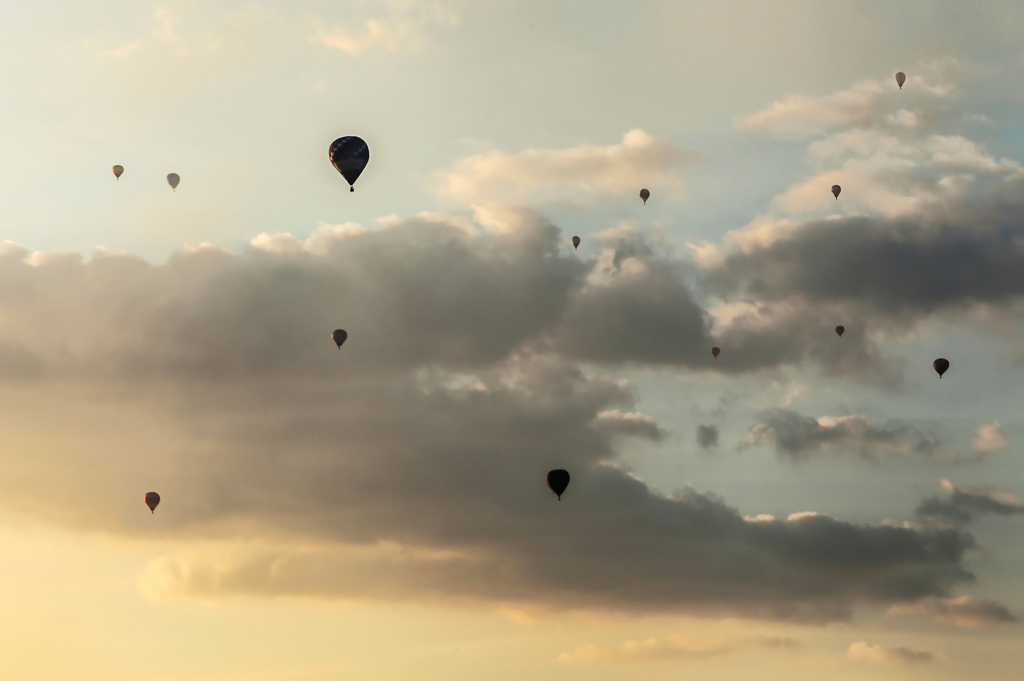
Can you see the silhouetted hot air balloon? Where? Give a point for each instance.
(901, 78)
(835, 191)
(339, 336)
(714, 352)
(558, 480)
(575, 242)
(644, 194)
(941, 366)
(117, 171)
(839, 330)
(349, 155)
(173, 180)
(152, 500)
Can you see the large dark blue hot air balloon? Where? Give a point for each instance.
(558, 480)
(349, 155)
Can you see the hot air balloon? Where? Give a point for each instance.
(901, 78)
(714, 352)
(349, 155)
(558, 480)
(117, 171)
(173, 180)
(644, 194)
(575, 242)
(839, 330)
(339, 336)
(152, 500)
(835, 191)
(941, 366)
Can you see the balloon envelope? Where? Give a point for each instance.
(152, 500)
(714, 352)
(575, 242)
(839, 330)
(117, 171)
(901, 78)
(349, 155)
(558, 480)
(644, 194)
(173, 180)
(339, 336)
(835, 191)
(941, 366)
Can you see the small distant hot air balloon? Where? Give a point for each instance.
(575, 242)
(644, 194)
(349, 155)
(117, 171)
(901, 78)
(152, 500)
(714, 352)
(835, 191)
(558, 480)
(941, 366)
(339, 336)
(839, 330)
(173, 180)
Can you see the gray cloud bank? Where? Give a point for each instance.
(410, 463)
(963, 504)
(799, 437)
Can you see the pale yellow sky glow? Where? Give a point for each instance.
(802, 504)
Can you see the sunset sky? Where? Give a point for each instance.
(803, 507)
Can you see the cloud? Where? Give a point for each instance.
(401, 30)
(672, 648)
(964, 253)
(962, 504)
(615, 422)
(867, 652)
(799, 437)
(963, 611)
(707, 436)
(409, 464)
(190, 47)
(990, 439)
(581, 173)
(857, 106)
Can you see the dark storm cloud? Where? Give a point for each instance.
(945, 256)
(962, 504)
(707, 436)
(409, 464)
(799, 437)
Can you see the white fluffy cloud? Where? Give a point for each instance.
(990, 439)
(584, 172)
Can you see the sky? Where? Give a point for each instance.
(804, 506)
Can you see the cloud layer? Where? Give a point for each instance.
(410, 463)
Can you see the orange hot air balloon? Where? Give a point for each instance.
(941, 366)
(117, 172)
(558, 480)
(835, 191)
(152, 500)
(714, 352)
(644, 194)
(575, 242)
(901, 78)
